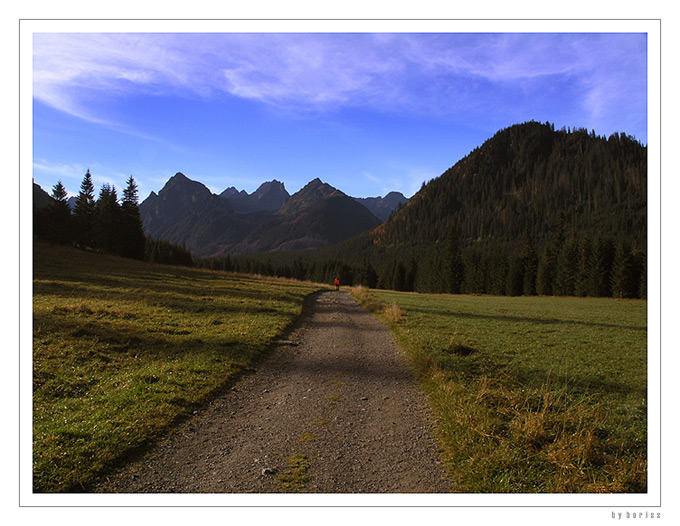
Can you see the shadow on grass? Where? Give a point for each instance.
(189, 409)
(520, 319)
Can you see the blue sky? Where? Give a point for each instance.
(367, 113)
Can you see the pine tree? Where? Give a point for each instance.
(411, 273)
(368, 276)
(566, 270)
(514, 285)
(399, 278)
(625, 272)
(83, 213)
(642, 287)
(544, 273)
(107, 220)
(547, 266)
(453, 266)
(475, 274)
(132, 238)
(498, 271)
(386, 276)
(530, 263)
(58, 216)
(600, 272)
(582, 285)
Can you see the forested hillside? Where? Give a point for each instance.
(533, 210)
(522, 180)
(382, 207)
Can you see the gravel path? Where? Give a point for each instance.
(335, 410)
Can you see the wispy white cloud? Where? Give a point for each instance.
(619, 90)
(79, 73)
(71, 175)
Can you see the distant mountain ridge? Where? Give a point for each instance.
(187, 212)
(270, 219)
(316, 216)
(382, 207)
(270, 196)
(40, 197)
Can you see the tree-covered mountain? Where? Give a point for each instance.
(521, 180)
(533, 210)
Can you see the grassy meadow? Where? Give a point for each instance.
(121, 349)
(530, 394)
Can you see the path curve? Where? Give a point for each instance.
(339, 399)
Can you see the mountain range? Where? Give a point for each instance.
(270, 219)
(531, 210)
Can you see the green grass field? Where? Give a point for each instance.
(122, 349)
(531, 394)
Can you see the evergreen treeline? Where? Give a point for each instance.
(568, 266)
(106, 224)
(161, 251)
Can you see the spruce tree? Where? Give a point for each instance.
(83, 213)
(399, 277)
(600, 274)
(544, 273)
(582, 285)
(132, 238)
(453, 266)
(514, 285)
(498, 272)
(566, 270)
(411, 273)
(107, 220)
(386, 276)
(625, 272)
(530, 264)
(58, 217)
(547, 266)
(368, 275)
(642, 287)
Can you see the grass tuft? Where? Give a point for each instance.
(393, 313)
(294, 478)
(368, 300)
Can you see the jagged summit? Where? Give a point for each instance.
(233, 191)
(270, 196)
(382, 207)
(235, 222)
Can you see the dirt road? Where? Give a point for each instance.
(333, 411)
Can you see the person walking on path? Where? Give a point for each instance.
(337, 284)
